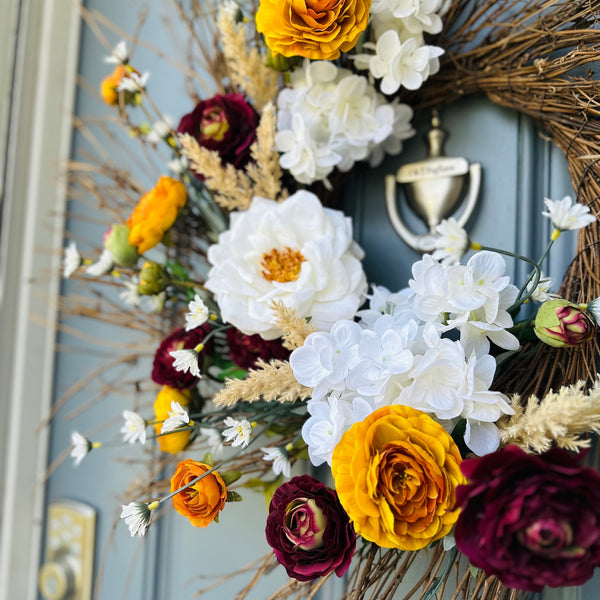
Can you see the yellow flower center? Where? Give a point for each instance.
(283, 266)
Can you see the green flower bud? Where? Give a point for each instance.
(281, 63)
(563, 324)
(154, 278)
(116, 241)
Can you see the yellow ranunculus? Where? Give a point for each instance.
(155, 213)
(108, 88)
(315, 29)
(396, 474)
(173, 442)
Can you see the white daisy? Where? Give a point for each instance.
(161, 130)
(178, 417)
(119, 55)
(186, 360)
(281, 464)
(71, 261)
(178, 165)
(134, 428)
(130, 294)
(566, 215)
(81, 447)
(237, 432)
(541, 292)
(103, 266)
(137, 516)
(198, 314)
(134, 82)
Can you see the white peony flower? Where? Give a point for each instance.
(103, 265)
(566, 215)
(398, 63)
(197, 314)
(296, 252)
(71, 260)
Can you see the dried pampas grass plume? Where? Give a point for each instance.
(563, 418)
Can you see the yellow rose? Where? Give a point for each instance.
(316, 29)
(155, 213)
(173, 442)
(396, 474)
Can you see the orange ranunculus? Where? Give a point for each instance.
(155, 213)
(316, 29)
(173, 442)
(108, 88)
(396, 474)
(203, 500)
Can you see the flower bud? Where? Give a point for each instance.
(154, 279)
(116, 241)
(562, 324)
(281, 63)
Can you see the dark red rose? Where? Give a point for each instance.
(226, 124)
(245, 350)
(163, 371)
(532, 520)
(309, 530)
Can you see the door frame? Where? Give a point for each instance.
(39, 50)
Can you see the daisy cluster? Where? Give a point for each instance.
(426, 346)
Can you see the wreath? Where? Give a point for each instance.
(246, 273)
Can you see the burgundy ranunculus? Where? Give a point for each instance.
(532, 520)
(309, 530)
(163, 371)
(226, 124)
(245, 350)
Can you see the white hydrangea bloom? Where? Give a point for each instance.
(325, 359)
(330, 118)
(473, 298)
(417, 15)
(398, 63)
(329, 419)
(566, 215)
(295, 252)
(452, 243)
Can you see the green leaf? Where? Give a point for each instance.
(266, 487)
(230, 477)
(232, 372)
(208, 459)
(233, 497)
(177, 270)
(458, 435)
